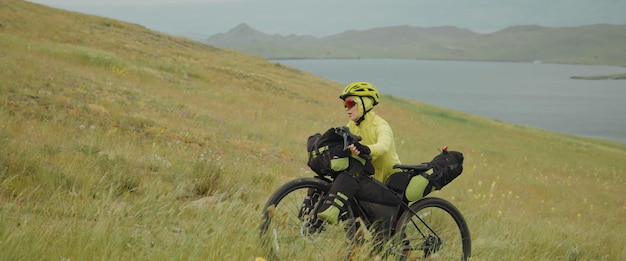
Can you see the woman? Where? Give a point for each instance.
(359, 101)
(377, 140)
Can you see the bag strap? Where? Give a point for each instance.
(315, 150)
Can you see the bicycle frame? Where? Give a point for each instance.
(358, 210)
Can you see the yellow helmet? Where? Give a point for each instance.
(361, 89)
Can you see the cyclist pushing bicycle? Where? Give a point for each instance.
(354, 186)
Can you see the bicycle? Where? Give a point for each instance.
(427, 228)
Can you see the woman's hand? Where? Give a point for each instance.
(358, 149)
(354, 150)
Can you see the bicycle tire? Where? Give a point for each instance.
(287, 236)
(432, 228)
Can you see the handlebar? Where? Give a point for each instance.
(350, 138)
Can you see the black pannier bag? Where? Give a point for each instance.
(446, 167)
(412, 186)
(327, 153)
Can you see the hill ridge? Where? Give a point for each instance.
(587, 44)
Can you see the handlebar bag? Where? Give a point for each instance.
(327, 155)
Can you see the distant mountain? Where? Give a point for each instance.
(243, 35)
(591, 44)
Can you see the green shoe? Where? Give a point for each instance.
(331, 214)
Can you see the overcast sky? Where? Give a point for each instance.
(328, 17)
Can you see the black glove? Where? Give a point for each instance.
(365, 154)
(362, 148)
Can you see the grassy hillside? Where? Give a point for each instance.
(121, 143)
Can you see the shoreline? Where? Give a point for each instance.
(619, 76)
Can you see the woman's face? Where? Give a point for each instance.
(352, 108)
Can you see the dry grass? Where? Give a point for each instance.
(119, 143)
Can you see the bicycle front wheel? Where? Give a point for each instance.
(432, 228)
(291, 230)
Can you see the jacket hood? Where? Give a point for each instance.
(367, 105)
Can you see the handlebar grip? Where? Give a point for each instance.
(348, 137)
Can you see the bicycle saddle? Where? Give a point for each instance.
(419, 167)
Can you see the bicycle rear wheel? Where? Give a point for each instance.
(292, 232)
(432, 228)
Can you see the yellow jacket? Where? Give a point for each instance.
(378, 136)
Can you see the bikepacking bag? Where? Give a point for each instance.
(329, 153)
(445, 167)
(412, 186)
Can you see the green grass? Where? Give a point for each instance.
(120, 143)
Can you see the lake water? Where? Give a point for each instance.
(533, 94)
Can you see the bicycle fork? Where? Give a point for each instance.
(308, 214)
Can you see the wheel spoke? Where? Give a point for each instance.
(432, 228)
(289, 232)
